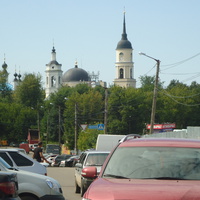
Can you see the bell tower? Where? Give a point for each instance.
(124, 64)
(53, 75)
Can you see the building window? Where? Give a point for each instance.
(131, 74)
(121, 56)
(47, 81)
(59, 80)
(121, 73)
(53, 81)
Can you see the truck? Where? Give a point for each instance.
(33, 138)
(106, 142)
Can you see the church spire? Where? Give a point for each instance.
(124, 35)
(53, 54)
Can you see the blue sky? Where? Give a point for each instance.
(88, 32)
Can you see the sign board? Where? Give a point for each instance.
(83, 126)
(100, 126)
(162, 126)
(93, 127)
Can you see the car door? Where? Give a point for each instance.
(78, 168)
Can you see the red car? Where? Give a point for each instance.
(148, 169)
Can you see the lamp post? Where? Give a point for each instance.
(153, 111)
(106, 111)
(75, 126)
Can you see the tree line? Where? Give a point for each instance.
(63, 113)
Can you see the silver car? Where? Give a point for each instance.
(88, 158)
(15, 158)
(32, 186)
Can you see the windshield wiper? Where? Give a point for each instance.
(115, 176)
(166, 178)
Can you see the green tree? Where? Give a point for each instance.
(29, 92)
(87, 139)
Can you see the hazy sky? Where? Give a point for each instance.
(87, 31)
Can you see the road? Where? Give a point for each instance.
(65, 176)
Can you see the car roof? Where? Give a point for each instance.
(10, 149)
(168, 142)
(96, 152)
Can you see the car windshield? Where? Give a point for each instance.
(96, 159)
(154, 163)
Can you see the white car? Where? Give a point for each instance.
(15, 158)
(33, 186)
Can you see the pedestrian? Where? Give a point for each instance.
(37, 153)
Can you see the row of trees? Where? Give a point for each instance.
(128, 112)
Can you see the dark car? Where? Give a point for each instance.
(8, 186)
(144, 168)
(70, 162)
(59, 158)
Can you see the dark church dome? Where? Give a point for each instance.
(124, 43)
(75, 74)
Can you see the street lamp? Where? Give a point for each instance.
(106, 111)
(76, 126)
(154, 93)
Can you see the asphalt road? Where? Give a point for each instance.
(65, 176)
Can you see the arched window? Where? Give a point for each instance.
(121, 56)
(131, 73)
(47, 80)
(121, 73)
(53, 81)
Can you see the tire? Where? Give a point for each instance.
(28, 198)
(83, 190)
(78, 189)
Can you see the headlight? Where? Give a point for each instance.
(52, 185)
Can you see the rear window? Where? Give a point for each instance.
(6, 158)
(96, 159)
(20, 160)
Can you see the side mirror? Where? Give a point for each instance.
(79, 165)
(89, 172)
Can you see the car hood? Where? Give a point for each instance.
(30, 176)
(132, 189)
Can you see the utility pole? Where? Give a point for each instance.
(153, 111)
(106, 111)
(76, 127)
(59, 131)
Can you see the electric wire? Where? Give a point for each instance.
(173, 98)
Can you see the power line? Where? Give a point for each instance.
(179, 63)
(173, 98)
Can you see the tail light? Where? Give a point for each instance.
(8, 188)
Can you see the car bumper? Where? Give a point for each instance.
(52, 197)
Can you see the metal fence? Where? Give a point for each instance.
(191, 132)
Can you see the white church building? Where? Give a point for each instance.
(55, 78)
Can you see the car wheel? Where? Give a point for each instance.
(83, 190)
(78, 189)
(28, 198)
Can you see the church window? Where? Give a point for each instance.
(52, 67)
(131, 74)
(121, 56)
(47, 80)
(53, 81)
(121, 73)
